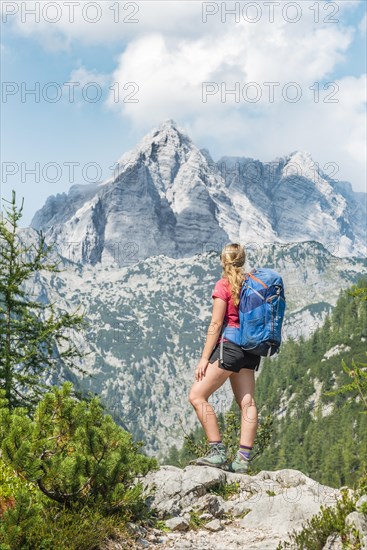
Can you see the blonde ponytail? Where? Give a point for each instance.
(232, 259)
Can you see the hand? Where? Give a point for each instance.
(200, 369)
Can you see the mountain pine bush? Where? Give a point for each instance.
(70, 457)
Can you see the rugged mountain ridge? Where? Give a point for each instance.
(168, 197)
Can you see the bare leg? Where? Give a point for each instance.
(199, 394)
(243, 386)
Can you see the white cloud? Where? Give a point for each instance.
(86, 83)
(171, 77)
(61, 27)
(363, 24)
(171, 52)
(170, 86)
(74, 25)
(84, 76)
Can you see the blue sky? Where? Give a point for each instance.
(169, 53)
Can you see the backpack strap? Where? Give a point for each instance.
(258, 280)
(221, 344)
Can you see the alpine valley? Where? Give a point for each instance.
(140, 253)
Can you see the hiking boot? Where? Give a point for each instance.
(240, 465)
(216, 457)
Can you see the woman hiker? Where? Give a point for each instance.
(238, 365)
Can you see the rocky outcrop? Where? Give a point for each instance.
(204, 508)
(358, 520)
(258, 513)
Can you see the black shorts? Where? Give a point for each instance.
(235, 358)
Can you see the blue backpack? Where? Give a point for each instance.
(261, 312)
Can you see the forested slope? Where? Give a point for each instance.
(323, 436)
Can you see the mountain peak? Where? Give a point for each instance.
(167, 196)
(168, 124)
(167, 133)
(168, 127)
(297, 157)
(303, 156)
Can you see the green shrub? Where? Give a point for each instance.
(73, 451)
(10, 484)
(225, 490)
(32, 524)
(330, 520)
(70, 475)
(195, 521)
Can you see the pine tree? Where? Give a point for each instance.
(34, 339)
(73, 452)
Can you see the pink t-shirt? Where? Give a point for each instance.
(222, 290)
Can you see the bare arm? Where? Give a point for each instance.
(219, 311)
